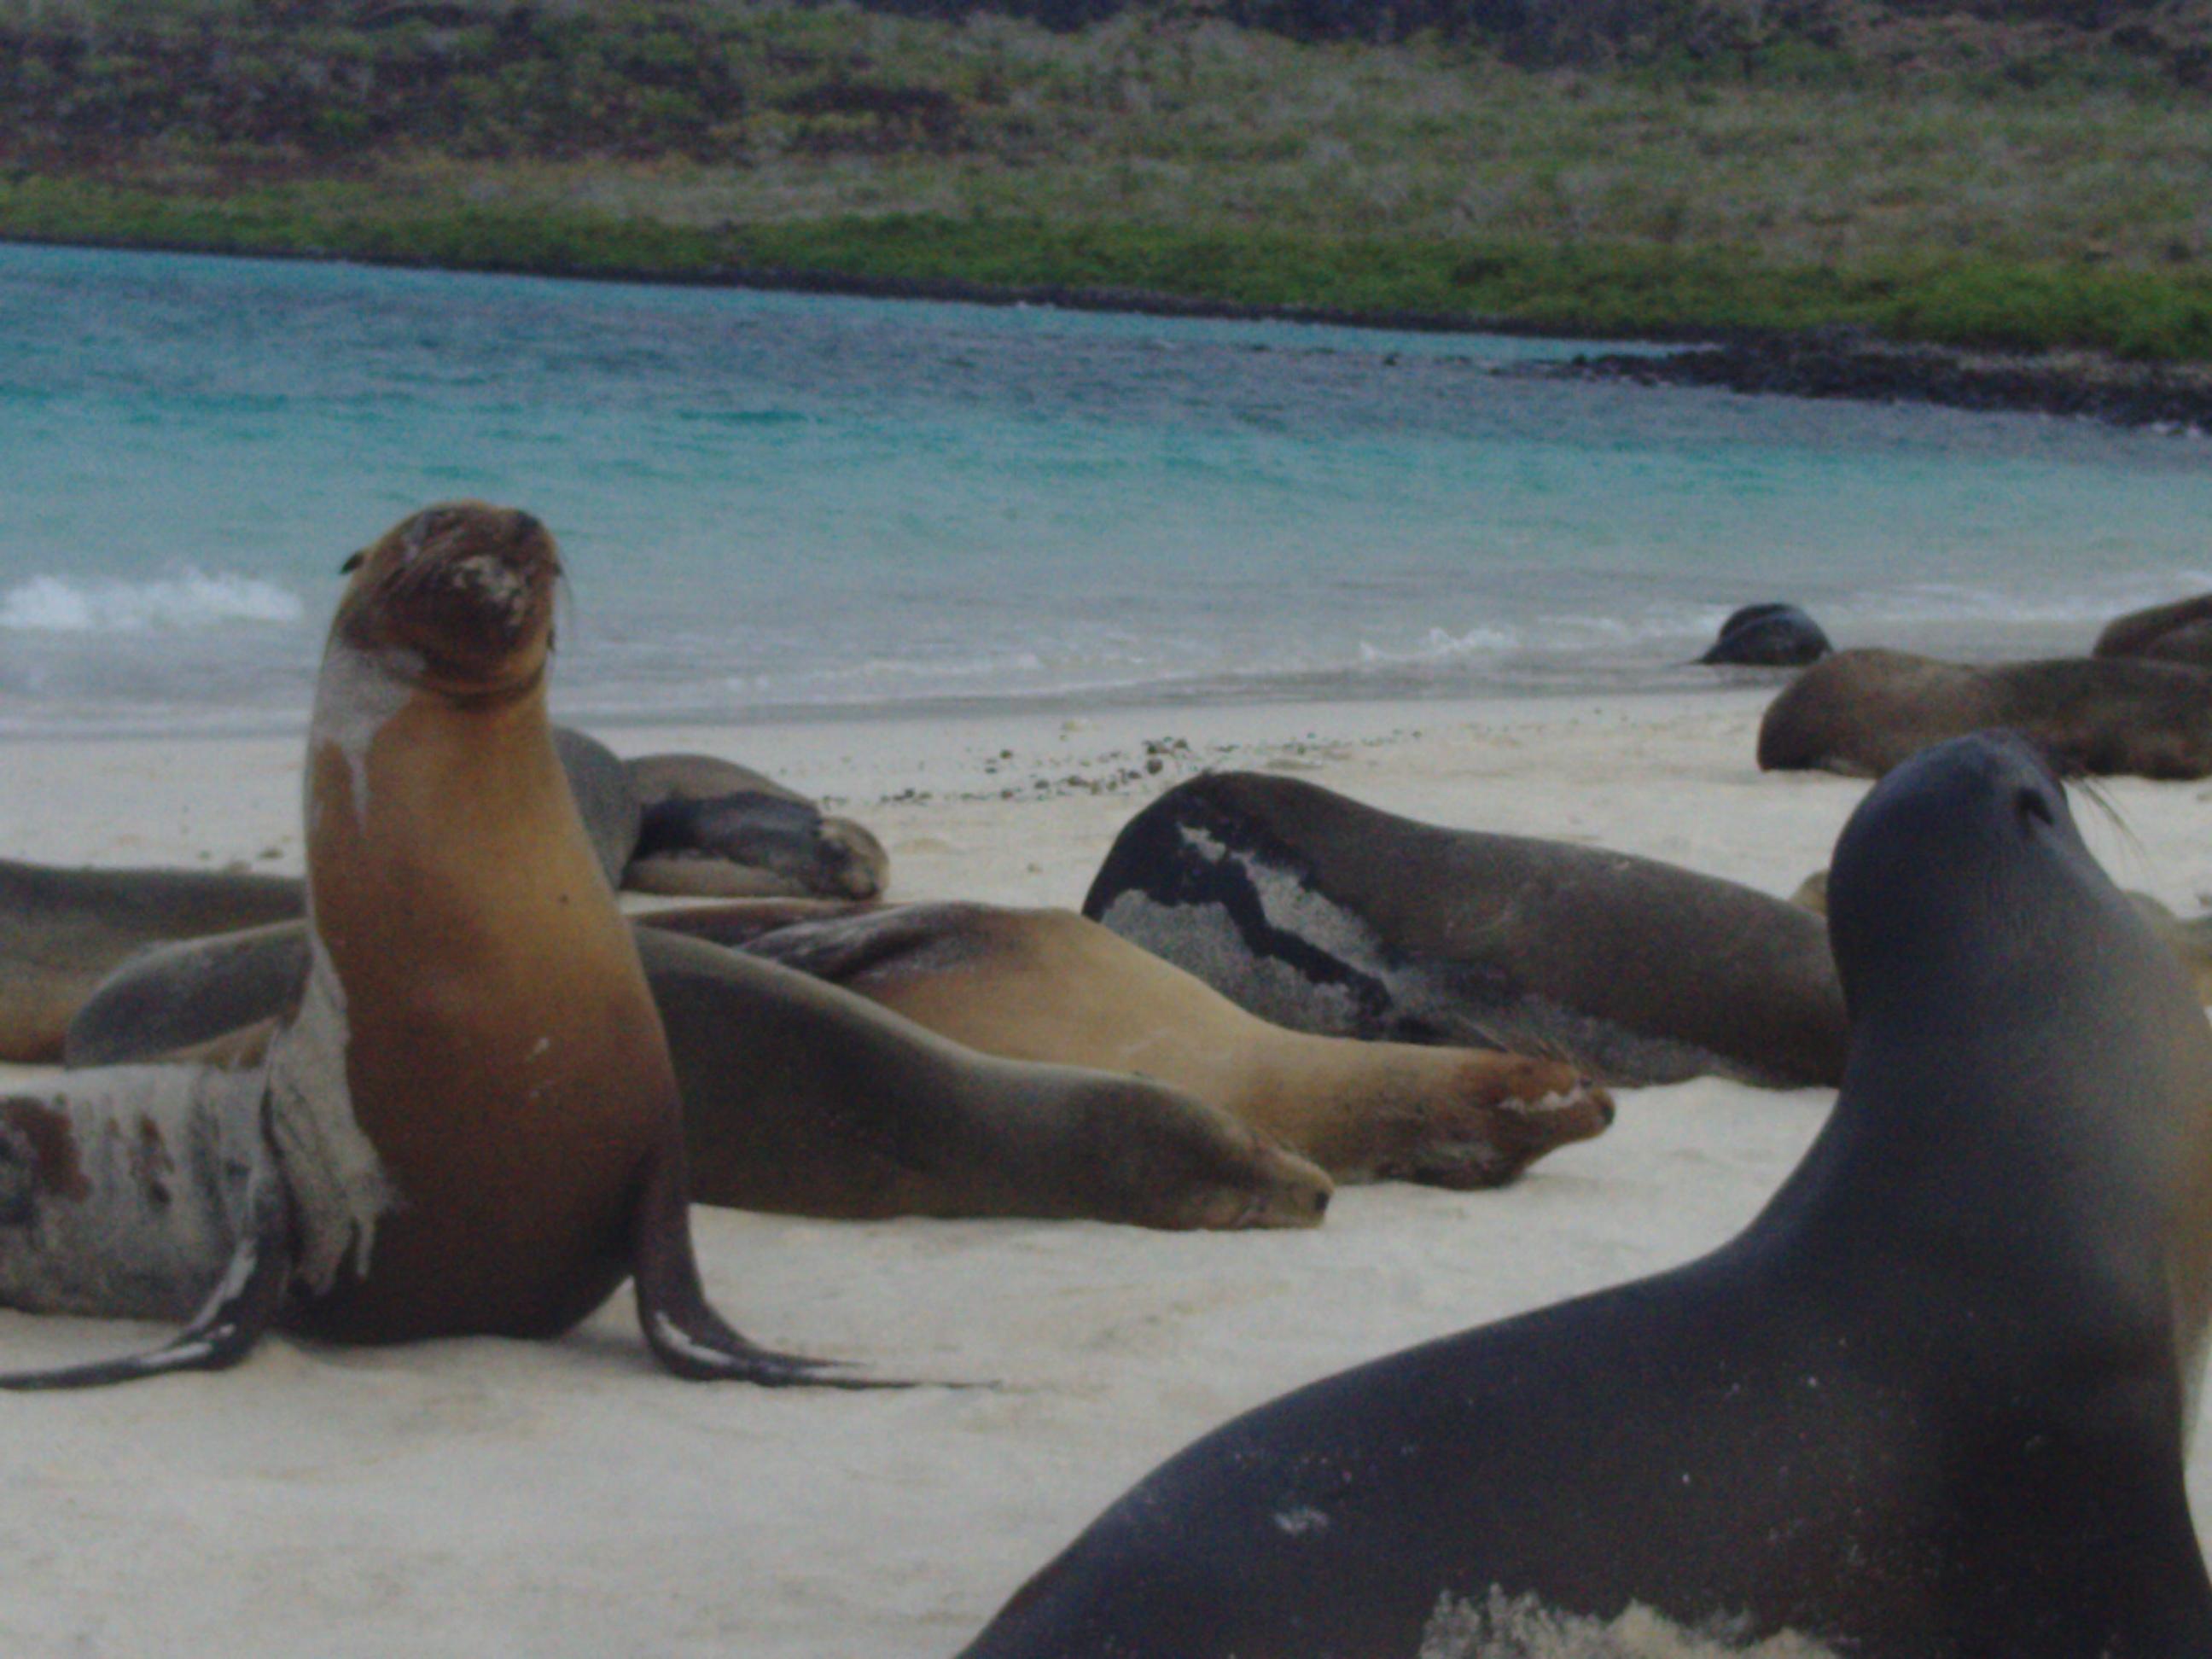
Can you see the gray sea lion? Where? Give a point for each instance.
(2181, 632)
(1768, 636)
(1860, 713)
(1930, 1404)
(63, 930)
(1050, 986)
(712, 828)
(1318, 913)
(803, 1098)
(469, 1119)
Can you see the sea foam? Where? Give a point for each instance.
(57, 604)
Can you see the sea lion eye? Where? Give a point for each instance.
(353, 562)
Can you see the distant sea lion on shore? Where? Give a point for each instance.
(711, 829)
(1326, 916)
(1861, 712)
(803, 1098)
(469, 1120)
(1050, 986)
(1931, 1403)
(2181, 632)
(1768, 636)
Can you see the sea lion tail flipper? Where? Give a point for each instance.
(682, 1328)
(240, 1308)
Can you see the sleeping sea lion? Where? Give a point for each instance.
(802, 1098)
(713, 830)
(1767, 636)
(1860, 713)
(1048, 985)
(1318, 913)
(1931, 1403)
(2181, 632)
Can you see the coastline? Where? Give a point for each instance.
(566, 1499)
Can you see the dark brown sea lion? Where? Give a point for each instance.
(2181, 632)
(1767, 636)
(1318, 913)
(1861, 712)
(710, 828)
(471, 1111)
(1931, 1404)
(1050, 986)
(803, 1098)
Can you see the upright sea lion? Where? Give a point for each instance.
(1768, 636)
(472, 1113)
(1050, 986)
(803, 1098)
(1861, 712)
(1931, 1403)
(2181, 632)
(1321, 913)
(711, 829)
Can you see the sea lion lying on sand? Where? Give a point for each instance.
(1860, 713)
(1318, 913)
(2181, 632)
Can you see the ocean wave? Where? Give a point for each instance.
(57, 604)
(1520, 1627)
(1441, 645)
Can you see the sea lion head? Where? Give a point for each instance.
(1164, 1160)
(464, 588)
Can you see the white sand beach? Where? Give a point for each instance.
(567, 1498)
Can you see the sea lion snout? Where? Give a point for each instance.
(467, 586)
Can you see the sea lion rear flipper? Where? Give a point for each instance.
(686, 1335)
(241, 1307)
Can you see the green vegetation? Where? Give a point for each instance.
(1932, 174)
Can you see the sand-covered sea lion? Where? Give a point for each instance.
(1861, 712)
(803, 1098)
(1767, 636)
(2181, 632)
(1051, 986)
(1930, 1404)
(470, 1114)
(712, 828)
(1326, 916)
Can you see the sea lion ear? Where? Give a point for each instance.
(353, 562)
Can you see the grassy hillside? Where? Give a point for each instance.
(2027, 175)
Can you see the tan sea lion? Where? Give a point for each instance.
(472, 1110)
(1861, 712)
(2179, 632)
(804, 1098)
(1047, 985)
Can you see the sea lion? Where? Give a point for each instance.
(2189, 939)
(712, 828)
(63, 930)
(1318, 913)
(1930, 1403)
(2181, 632)
(470, 1116)
(1861, 712)
(802, 1098)
(1768, 636)
(1050, 986)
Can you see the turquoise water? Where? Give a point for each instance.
(784, 503)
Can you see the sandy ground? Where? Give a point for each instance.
(489, 1497)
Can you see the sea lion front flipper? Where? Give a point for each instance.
(686, 1335)
(240, 1308)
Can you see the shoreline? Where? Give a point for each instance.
(1825, 360)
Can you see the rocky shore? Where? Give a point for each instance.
(1851, 363)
